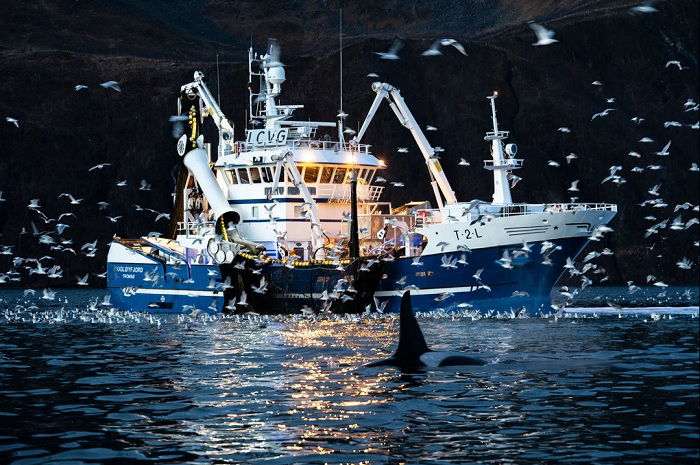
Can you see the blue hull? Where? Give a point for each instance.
(161, 288)
(526, 286)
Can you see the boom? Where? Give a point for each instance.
(438, 179)
(211, 108)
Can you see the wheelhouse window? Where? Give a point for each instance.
(231, 176)
(311, 173)
(266, 174)
(326, 174)
(339, 176)
(255, 176)
(362, 176)
(243, 176)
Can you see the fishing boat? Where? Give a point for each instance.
(260, 223)
(290, 218)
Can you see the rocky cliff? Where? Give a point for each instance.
(151, 48)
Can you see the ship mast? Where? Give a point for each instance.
(501, 163)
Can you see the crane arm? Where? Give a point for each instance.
(287, 160)
(405, 117)
(211, 108)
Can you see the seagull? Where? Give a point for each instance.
(693, 167)
(144, 186)
(514, 180)
(48, 294)
(477, 275)
(610, 100)
(12, 120)
(544, 36)
(34, 204)
(553, 163)
(397, 184)
(434, 49)
(372, 75)
(674, 63)
(664, 152)
(392, 53)
(402, 150)
(83, 281)
(564, 129)
(637, 119)
(463, 162)
(644, 7)
(100, 166)
(571, 156)
(3, 200)
(73, 200)
(262, 287)
(597, 83)
(122, 183)
(675, 124)
(574, 186)
(602, 113)
(80, 87)
(430, 128)
(114, 219)
(654, 190)
(646, 140)
(114, 85)
(634, 154)
(455, 44)
(379, 180)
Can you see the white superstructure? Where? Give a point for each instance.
(286, 181)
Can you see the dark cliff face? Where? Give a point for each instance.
(152, 48)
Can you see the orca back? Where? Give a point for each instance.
(411, 341)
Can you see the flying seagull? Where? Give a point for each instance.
(644, 7)
(434, 49)
(664, 152)
(392, 53)
(544, 36)
(114, 85)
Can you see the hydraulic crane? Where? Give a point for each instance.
(438, 180)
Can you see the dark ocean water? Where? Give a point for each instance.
(80, 386)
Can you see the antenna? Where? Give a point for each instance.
(218, 89)
(341, 56)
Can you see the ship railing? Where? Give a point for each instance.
(334, 146)
(432, 216)
(511, 163)
(341, 192)
(496, 135)
(193, 227)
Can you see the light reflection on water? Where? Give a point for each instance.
(121, 387)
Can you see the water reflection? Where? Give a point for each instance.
(91, 389)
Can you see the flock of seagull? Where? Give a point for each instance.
(544, 37)
(51, 230)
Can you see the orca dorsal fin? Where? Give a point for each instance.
(411, 341)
